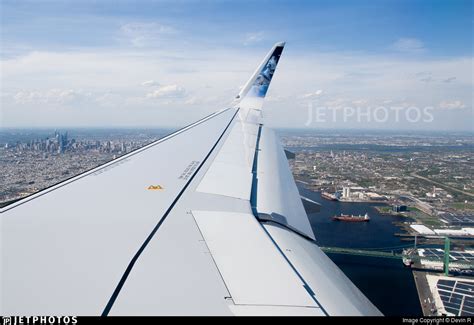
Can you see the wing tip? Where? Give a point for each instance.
(278, 44)
(262, 87)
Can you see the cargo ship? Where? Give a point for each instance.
(328, 196)
(352, 218)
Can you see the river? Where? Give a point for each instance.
(386, 282)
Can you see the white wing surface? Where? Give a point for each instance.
(206, 221)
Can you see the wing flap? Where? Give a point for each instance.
(331, 287)
(175, 275)
(254, 271)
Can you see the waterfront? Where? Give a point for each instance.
(386, 282)
(428, 172)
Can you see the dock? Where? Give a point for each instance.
(424, 294)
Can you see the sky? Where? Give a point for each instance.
(388, 64)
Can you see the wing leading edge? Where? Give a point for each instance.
(225, 235)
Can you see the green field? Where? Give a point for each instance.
(463, 206)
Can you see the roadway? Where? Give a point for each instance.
(442, 185)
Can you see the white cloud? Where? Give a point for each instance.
(150, 83)
(335, 103)
(51, 96)
(252, 38)
(193, 101)
(109, 99)
(360, 102)
(169, 91)
(450, 79)
(427, 76)
(454, 104)
(209, 100)
(144, 34)
(408, 45)
(276, 98)
(427, 79)
(313, 95)
(65, 97)
(113, 79)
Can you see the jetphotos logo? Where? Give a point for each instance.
(34, 320)
(378, 114)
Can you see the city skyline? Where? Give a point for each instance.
(161, 64)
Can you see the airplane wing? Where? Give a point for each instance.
(206, 221)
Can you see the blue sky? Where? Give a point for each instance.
(164, 63)
(444, 26)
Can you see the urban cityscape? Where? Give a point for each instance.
(36, 159)
(431, 173)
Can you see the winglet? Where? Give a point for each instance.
(258, 84)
